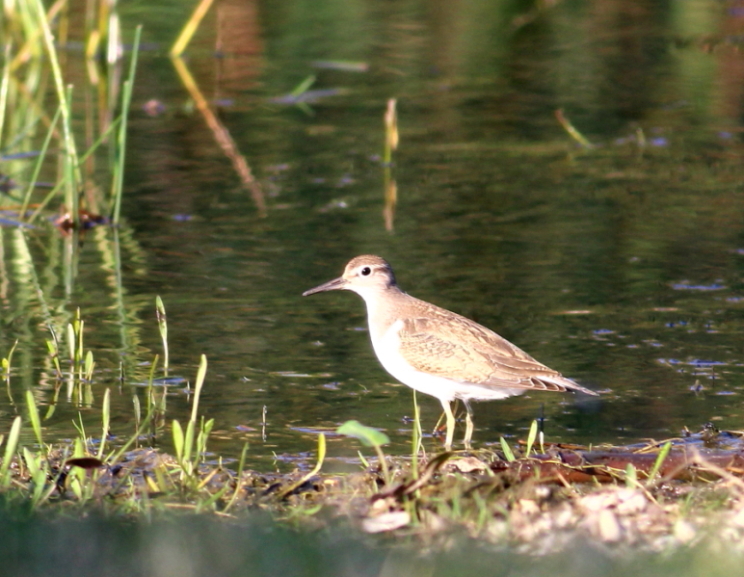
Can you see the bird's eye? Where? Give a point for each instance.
(366, 271)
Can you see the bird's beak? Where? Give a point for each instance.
(332, 285)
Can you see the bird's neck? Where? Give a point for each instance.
(383, 308)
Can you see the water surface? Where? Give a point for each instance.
(619, 266)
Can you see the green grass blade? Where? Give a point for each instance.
(631, 476)
(101, 139)
(363, 460)
(82, 437)
(321, 453)
(8, 363)
(178, 440)
(201, 440)
(4, 84)
(238, 484)
(200, 375)
(316, 469)
(660, 458)
(508, 454)
(47, 199)
(531, 438)
(188, 442)
(31, 462)
(72, 177)
(79, 352)
(383, 464)
(89, 366)
(191, 26)
(10, 448)
(163, 327)
(417, 436)
(106, 418)
(571, 130)
(303, 86)
(126, 102)
(206, 505)
(39, 162)
(33, 415)
(137, 410)
(71, 342)
(54, 355)
(123, 449)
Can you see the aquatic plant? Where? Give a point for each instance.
(34, 39)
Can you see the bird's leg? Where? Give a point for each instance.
(450, 425)
(468, 424)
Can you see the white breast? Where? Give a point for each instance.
(387, 346)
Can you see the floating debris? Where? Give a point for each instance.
(309, 96)
(65, 221)
(153, 107)
(686, 286)
(571, 130)
(342, 65)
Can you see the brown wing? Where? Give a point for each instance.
(463, 350)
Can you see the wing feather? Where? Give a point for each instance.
(465, 351)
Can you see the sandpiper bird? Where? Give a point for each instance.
(438, 352)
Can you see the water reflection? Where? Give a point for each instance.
(594, 261)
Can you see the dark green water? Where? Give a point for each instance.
(620, 266)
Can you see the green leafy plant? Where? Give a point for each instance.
(184, 441)
(369, 437)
